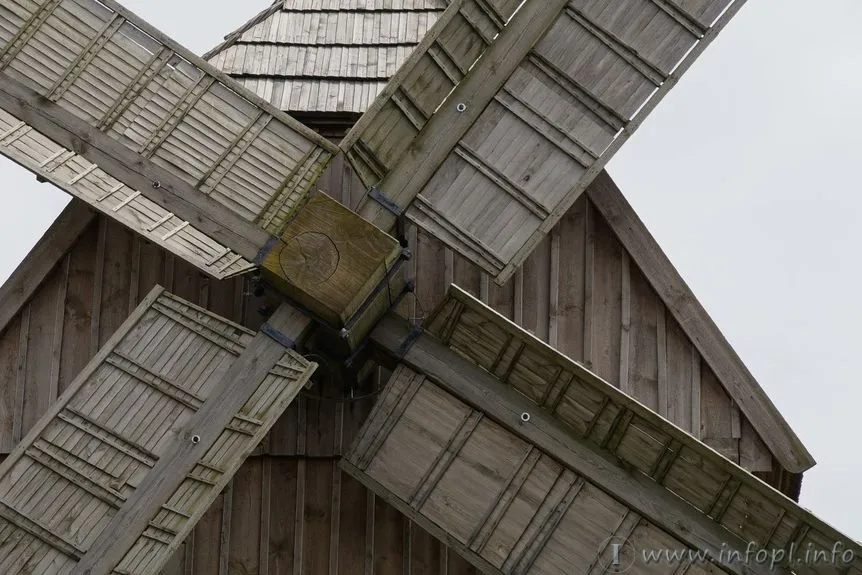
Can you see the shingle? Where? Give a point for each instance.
(340, 51)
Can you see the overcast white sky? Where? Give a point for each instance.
(747, 176)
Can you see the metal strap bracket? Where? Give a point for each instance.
(265, 250)
(405, 256)
(409, 342)
(279, 337)
(376, 195)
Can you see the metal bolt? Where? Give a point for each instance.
(157, 185)
(196, 439)
(525, 417)
(462, 107)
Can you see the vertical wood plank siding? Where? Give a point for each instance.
(319, 520)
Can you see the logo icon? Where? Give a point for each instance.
(618, 557)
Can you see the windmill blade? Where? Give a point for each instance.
(122, 467)
(525, 462)
(138, 127)
(489, 133)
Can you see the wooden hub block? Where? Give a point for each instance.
(338, 266)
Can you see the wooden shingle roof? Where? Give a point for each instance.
(325, 55)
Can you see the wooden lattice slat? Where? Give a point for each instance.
(501, 118)
(152, 404)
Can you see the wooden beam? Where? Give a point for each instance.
(450, 123)
(220, 76)
(42, 259)
(233, 390)
(505, 405)
(699, 327)
(632, 126)
(139, 173)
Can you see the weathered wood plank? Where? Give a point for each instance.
(48, 251)
(451, 122)
(646, 497)
(699, 327)
(551, 97)
(330, 260)
(135, 171)
(9, 349)
(113, 69)
(606, 419)
(201, 433)
(105, 406)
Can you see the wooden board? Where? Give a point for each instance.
(53, 163)
(150, 103)
(276, 514)
(325, 56)
(686, 312)
(83, 486)
(51, 248)
(331, 261)
(129, 275)
(489, 133)
(608, 421)
(504, 503)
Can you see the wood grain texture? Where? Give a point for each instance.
(330, 260)
(672, 480)
(189, 147)
(699, 328)
(120, 489)
(524, 118)
(367, 541)
(42, 258)
(571, 276)
(572, 269)
(203, 442)
(43, 149)
(324, 56)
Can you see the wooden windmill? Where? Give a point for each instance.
(479, 162)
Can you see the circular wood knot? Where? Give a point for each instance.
(309, 259)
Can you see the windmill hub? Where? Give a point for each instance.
(309, 259)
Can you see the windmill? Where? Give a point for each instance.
(517, 457)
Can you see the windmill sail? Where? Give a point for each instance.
(498, 122)
(120, 470)
(526, 462)
(101, 104)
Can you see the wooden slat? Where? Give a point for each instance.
(28, 28)
(489, 74)
(42, 259)
(163, 458)
(595, 416)
(324, 57)
(94, 186)
(21, 376)
(133, 170)
(146, 111)
(683, 306)
(71, 74)
(587, 475)
(224, 533)
(550, 98)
